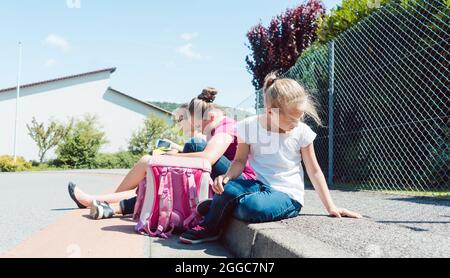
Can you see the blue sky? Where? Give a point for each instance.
(163, 50)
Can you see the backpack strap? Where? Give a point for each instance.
(193, 198)
(165, 206)
(192, 220)
(210, 190)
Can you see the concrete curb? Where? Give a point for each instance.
(274, 240)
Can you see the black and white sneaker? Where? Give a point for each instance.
(199, 234)
(203, 207)
(101, 210)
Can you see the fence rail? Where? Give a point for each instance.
(382, 87)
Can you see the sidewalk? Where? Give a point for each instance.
(38, 220)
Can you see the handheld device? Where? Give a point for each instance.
(163, 144)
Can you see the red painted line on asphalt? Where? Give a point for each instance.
(75, 235)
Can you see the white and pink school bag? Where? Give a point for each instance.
(167, 199)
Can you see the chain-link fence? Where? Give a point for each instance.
(244, 109)
(383, 89)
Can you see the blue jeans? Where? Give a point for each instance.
(222, 165)
(250, 201)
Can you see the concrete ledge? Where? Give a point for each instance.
(273, 240)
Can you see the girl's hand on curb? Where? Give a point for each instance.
(339, 213)
(219, 182)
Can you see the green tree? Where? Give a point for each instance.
(169, 106)
(82, 144)
(278, 46)
(119, 160)
(48, 137)
(345, 16)
(143, 140)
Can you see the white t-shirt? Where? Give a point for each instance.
(276, 157)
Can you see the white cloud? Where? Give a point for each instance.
(189, 36)
(58, 42)
(73, 4)
(188, 51)
(50, 63)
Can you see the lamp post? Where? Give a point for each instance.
(17, 102)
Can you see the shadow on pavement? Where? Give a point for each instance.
(414, 222)
(126, 229)
(327, 216)
(312, 215)
(424, 201)
(174, 243)
(171, 246)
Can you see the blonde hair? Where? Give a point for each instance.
(204, 102)
(281, 92)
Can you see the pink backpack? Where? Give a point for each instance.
(167, 199)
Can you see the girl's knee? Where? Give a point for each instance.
(195, 140)
(232, 190)
(194, 145)
(250, 211)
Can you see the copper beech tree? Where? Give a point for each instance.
(278, 46)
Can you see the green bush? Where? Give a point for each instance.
(7, 164)
(345, 16)
(174, 134)
(81, 146)
(120, 160)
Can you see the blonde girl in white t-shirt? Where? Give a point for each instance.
(275, 144)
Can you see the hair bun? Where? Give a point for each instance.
(208, 95)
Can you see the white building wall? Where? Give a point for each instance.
(118, 115)
(121, 116)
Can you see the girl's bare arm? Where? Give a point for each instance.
(236, 168)
(214, 150)
(317, 178)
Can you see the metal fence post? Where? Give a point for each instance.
(330, 113)
(259, 105)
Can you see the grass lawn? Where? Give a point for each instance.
(45, 167)
(437, 193)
